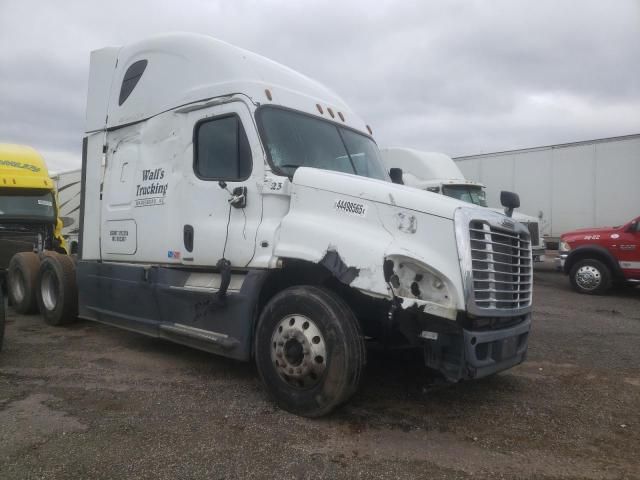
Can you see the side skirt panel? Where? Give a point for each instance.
(158, 301)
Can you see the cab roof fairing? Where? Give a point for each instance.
(185, 68)
(22, 166)
(428, 167)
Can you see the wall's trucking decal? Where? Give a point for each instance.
(151, 191)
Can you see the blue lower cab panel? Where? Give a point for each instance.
(155, 301)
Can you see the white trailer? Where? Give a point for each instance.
(243, 209)
(568, 186)
(68, 185)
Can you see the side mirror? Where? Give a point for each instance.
(509, 201)
(396, 175)
(634, 227)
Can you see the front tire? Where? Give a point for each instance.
(590, 276)
(57, 292)
(22, 282)
(309, 350)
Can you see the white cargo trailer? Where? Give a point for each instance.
(68, 188)
(568, 186)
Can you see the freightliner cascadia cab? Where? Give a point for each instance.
(29, 222)
(244, 210)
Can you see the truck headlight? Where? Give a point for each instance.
(411, 280)
(564, 247)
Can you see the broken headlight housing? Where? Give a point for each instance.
(410, 279)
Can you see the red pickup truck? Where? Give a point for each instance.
(597, 258)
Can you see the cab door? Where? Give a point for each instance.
(220, 204)
(628, 253)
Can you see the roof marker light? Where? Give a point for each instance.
(319, 107)
(331, 112)
(341, 116)
(268, 93)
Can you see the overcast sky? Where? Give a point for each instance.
(460, 77)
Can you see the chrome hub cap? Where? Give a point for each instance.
(298, 351)
(49, 290)
(588, 277)
(17, 286)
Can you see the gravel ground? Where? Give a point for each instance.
(92, 401)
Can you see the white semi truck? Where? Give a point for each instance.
(244, 210)
(438, 173)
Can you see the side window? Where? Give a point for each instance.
(131, 79)
(222, 150)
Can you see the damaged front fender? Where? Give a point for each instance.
(352, 237)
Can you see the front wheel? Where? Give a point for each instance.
(309, 350)
(590, 276)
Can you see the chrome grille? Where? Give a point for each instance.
(534, 232)
(501, 267)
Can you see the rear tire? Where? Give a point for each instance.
(590, 276)
(57, 293)
(309, 350)
(22, 282)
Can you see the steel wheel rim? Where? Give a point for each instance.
(298, 351)
(18, 286)
(49, 290)
(588, 277)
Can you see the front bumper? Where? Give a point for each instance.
(560, 260)
(468, 354)
(493, 351)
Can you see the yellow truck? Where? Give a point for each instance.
(29, 222)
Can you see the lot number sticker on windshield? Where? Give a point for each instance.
(351, 208)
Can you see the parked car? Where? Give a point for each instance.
(597, 258)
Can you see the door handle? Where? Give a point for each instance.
(187, 235)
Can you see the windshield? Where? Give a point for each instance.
(466, 193)
(26, 205)
(297, 140)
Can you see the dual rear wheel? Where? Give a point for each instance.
(45, 283)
